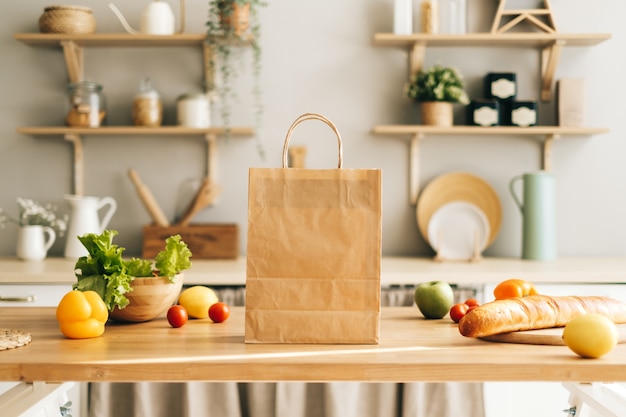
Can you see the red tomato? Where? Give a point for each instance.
(177, 316)
(470, 308)
(472, 302)
(457, 311)
(219, 312)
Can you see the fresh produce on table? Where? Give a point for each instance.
(590, 335)
(434, 299)
(536, 312)
(219, 312)
(177, 316)
(459, 310)
(513, 288)
(197, 300)
(82, 314)
(104, 270)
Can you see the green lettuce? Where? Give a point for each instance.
(174, 259)
(105, 271)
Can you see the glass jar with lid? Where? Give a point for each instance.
(147, 106)
(86, 104)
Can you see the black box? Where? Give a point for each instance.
(500, 86)
(524, 113)
(483, 113)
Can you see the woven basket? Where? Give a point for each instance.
(74, 20)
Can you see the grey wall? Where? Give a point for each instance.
(318, 57)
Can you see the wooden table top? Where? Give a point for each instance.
(411, 349)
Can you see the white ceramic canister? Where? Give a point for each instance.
(194, 110)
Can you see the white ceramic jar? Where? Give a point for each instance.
(194, 110)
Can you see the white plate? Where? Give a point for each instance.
(455, 227)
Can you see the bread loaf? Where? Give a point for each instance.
(536, 312)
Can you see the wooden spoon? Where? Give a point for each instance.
(148, 200)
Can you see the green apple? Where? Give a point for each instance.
(434, 299)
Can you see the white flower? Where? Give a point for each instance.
(31, 213)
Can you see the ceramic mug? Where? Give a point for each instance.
(34, 241)
(538, 214)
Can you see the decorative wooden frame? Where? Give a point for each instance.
(532, 16)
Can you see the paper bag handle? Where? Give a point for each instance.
(312, 116)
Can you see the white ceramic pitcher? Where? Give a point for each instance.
(84, 219)
(34, 241)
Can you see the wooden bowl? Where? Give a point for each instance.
(150, 298)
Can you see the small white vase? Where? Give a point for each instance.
(33, 242)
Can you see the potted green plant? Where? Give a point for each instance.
(437, 88)
(232, 24)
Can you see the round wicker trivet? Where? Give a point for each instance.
(10, 338)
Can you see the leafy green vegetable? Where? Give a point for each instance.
(105, 271)
(175, 257)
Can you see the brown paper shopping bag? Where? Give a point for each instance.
(313, 254)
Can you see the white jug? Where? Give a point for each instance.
(156, 19)
(84, 219)
(34, 241)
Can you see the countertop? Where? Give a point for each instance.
(394, 271)
(411, 349)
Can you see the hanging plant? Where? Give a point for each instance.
(231, 25)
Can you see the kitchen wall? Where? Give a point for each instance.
(318, 57)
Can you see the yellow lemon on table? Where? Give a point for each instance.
(591, 335)
(197, 300)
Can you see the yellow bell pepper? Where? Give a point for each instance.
(82, 314)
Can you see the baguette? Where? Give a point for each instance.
(536, 312)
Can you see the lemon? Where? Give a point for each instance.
(197, 300)
(590, 335)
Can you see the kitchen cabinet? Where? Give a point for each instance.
(38, 399)
(550, 46)
(73, 50)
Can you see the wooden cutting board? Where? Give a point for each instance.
(542, 337)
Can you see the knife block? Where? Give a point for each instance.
(205, 241)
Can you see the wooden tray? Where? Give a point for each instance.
(542, 337)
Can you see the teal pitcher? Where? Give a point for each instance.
(538, 214)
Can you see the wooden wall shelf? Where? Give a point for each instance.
(550, 45)
(112, 39)
(418, 132)
(75, 134)
(73, 50)
(134, 131)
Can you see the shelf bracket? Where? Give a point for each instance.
(416, 58)
(79, 184)
(549, 59)
(73, 60)
(209, 67)
(211, 160)
(414, 169)
(547, 152)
